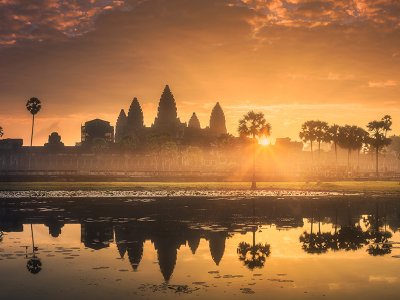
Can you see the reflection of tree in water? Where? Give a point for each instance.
(352, 238)
(1, 236)
(379, 240)
(380, 244)
(34, 264)
(253, 256)
(348, 238)
(315, 243)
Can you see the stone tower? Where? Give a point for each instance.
(135, 118)
(194, 122)
(120, 127)
(217, 120)
(167, 113)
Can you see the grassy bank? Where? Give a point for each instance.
(339, 186)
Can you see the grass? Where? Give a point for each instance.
(339, 186)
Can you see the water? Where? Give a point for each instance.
(325, 246)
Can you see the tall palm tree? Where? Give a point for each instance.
(321, 129)
(360, 139)
(387, 124)
(377, 137)
(253, 256)
(332, 135)
(34, 264)
(33, 106)
(348, 140)
(254, 125)
(308, 134)
(1, 132)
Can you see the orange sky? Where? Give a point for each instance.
(294, 60)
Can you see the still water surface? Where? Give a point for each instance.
(264, 247)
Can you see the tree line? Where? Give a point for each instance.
(350, 137)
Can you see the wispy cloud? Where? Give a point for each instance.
(383, 84)
(318, 13)
(39, 20)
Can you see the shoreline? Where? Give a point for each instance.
(380, 187)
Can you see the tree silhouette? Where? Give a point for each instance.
(308, 134)
(254, 125)
(128, 144)
(314, 243)
(352, 238)
(332, 135)
(387, 124)
(380, 243)
(377, 137)
(1, 132)
(34, 264)
(321, 129)
(33, 106)
(253, 256)
(351, 138)
(379, 240)
(360, 139)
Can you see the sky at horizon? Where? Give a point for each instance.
(293, 60)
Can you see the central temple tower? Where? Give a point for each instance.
(167, 121)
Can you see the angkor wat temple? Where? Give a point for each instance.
(167, 123)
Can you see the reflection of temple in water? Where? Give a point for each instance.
(354, 225)
(96, 235)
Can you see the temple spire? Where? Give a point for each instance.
(135, 116)
(194, 122)
(217, 120)
(167, 112)
(120, 127)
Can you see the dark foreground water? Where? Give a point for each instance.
(200, 247)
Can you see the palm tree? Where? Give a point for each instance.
(1, 132)
(377, 137)
(387, 124)
(33, 106)
(34, 264)
(332, 135)
(360, 139)
(254, 125)
(308, 134)
(348, 140)
(321, 129)
(253, 256)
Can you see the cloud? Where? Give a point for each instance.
(383, 84)
(385, 279)
(39, 20)
(383, 14)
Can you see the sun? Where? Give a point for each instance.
(263, 141)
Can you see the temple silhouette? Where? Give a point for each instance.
(167, 123)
